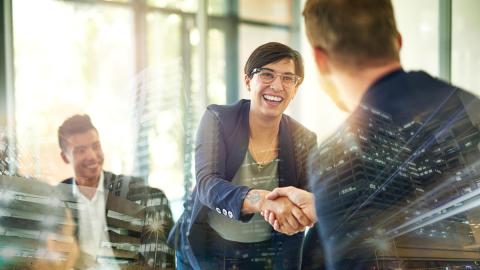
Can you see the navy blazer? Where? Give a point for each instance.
(404, 96)
(222, 142)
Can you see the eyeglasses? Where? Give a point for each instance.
(269, 76)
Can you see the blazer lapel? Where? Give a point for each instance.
(287, 175)
(237, 145)
(108, 179)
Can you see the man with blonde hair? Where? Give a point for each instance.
(380, 161)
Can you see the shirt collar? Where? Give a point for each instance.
(100, 187)
(376, 86)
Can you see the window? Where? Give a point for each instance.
(465, 56)
(67, 68)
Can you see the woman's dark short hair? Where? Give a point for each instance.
(270, 53)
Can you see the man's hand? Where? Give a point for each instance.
(289, 218)
(301, 198)
(63, 243)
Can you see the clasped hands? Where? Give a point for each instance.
(288, 209)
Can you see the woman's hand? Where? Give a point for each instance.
(289, 219)
(301, 198)
(286, 217)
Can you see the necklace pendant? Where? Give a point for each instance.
(259, 166)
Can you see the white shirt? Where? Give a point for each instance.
(92, 224)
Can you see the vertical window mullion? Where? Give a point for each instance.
(445, 39)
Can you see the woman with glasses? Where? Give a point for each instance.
(243, 151)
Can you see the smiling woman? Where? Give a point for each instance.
(269, 96)
(244, 151)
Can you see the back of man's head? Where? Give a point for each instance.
(73, 125)
(354, 33)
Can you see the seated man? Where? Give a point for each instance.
(112, 226)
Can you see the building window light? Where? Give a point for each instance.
(380, 161)
(347, 190)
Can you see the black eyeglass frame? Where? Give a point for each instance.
(297, 78)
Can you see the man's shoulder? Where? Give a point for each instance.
(428, 84)
(108, 177)
(130, 186)
(418, 91)
(112, 176)
(120, 183)
(67, 181)
(437, 91)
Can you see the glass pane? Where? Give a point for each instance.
(216, 67)
(82, 65)
(217, 7)
(465, 40)
(184, 5)
(162, 108)
(121, 1)
(278, 12)
(311, 102)
(417, 22)
(164, 39)
(250, 37)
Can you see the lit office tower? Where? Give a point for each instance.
(405, 189)
(156, 226)
(365, 166)
(446, 152)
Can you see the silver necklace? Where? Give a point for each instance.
(261, 162)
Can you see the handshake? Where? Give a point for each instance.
(288, 209)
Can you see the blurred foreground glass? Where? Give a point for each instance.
(37, 230)
(40, 226)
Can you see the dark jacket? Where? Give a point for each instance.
(155, 208)
(403, 148)
(222, 141)
(118, 185)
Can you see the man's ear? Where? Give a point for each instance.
(64, 157)
(399, 41)
(321, 59)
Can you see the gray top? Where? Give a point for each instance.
(256, 229)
